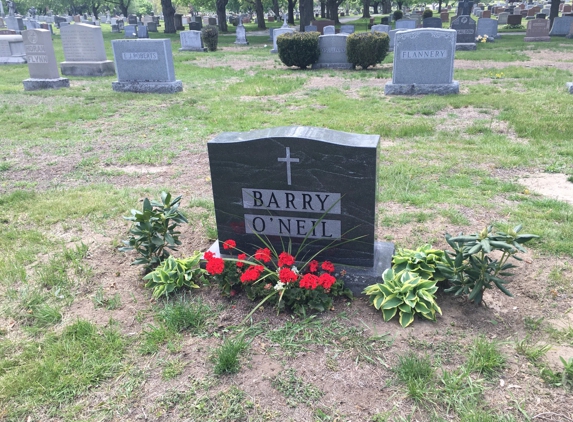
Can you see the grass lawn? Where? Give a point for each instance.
(81, 338)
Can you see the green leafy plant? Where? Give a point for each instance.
(366, 49)
(469, 268)
(427, 14)
(154, 230)
(298, 49)
(405, 292)
(398, 14)
(175, 273)
(210, 35)
(422, 261)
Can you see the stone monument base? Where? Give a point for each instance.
(32, 84)
(104, 68)
(536, 39)
(356, 278)
(468, 46)
(148, 87)
(421, 89)
(202, 50)
(241, 42)
(13, 60)
(332, 66)
(570, 87)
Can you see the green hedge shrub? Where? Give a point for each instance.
(398, 14)
(367, 48)
(427, 14)
(210, 34)
(299, 49)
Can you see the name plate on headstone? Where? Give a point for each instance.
(290, 183)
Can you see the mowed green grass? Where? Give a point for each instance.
(433, 158)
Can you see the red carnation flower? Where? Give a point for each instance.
(328, 266)
(308, 281)
(208, 255)
(229, 244)
(215, 266)
(252, 273)
(263, 255)
(286, 275)
(285, 259)
(326, 281)
(242, 257)
(313, 266)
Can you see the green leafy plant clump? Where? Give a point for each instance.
(427, 14)
(210, 35)
(397, 15)
(406, 293)
(154, 230)
(174, 274)
(422, 261)
(366, 49)
(470, 270)
(298, 49)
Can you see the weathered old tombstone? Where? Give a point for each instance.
(130, 31)
(406, 24)
(151, 26)
(84, 51)
(132, 20)
(432, 23)
(561, 26)
(12, 49)
(276, 33)
(423, 63)
(212, 21)
(142, 31)
(392, 36)
(329, 30)
(241, 34)
(486, 26)
(195, 26)
(332, 52)
(537, 30)
(514, 19)
(347, 29)
(144, 66)
(15, 23)
(502, 18)
(191, 41)
(321, 24)
(445, 16)
(380, 28)
(465, 28)
(178, 21)
(310, 28)
(486, 14)
(287, 183)
(41, 60)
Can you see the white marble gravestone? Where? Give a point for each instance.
(191, 41)
(12, 49)
(276, 33)
(84, 51)
(41, 60)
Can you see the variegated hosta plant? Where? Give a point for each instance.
(405, 293)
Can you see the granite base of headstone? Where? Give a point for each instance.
(41, 60)
(570, 87)
(145, 66)
(84, 51)
(332, 52)
(191, 41)
(423, 63)
(12, 49)
(286, 184)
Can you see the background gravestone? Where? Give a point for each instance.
(310, 28)
(465, 28)
(502, 18)
(84, 51)
(41, 60)
(278, 183)
(241, 34)
(423, 63)
(406, 24)
(537, 30)
(332, 52)
(329, 30)
(486, 26)
(12, 49)
(191, 41)
(380, 28)
(144, 66)
(130, 31)
(432, 23)
(347, 29)
(561, 26)
(276, 33)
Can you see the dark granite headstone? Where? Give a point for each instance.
(432, 23)
(195, 26)
(321, 24)
(120, 24)
(286, 183)
(132, 20)
(384, 20)
(514, 19)
(465, 27)
(178, 20)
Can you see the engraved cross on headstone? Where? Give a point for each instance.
(288, 160)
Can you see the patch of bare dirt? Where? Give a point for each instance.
(537, 58)
(550, 185)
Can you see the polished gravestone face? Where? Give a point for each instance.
(82, 42)
(40, 54)
(465, 28)
(487, 26)
(289, 183)
(332, 52)
(143, 60)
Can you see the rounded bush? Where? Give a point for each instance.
(398, 14)
(210, 34)
(299, 49)
(427, 14)
(367, 48)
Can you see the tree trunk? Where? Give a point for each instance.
(276, 10)
(306, 13)
(387, 6)
(260, 14)
(375, 7)
(554, 10)
(95, 10)
(440, 6)
(333, 10)
(323, 9)
(222, 15)
(168, 16)
(366, 10)
(291, 6)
